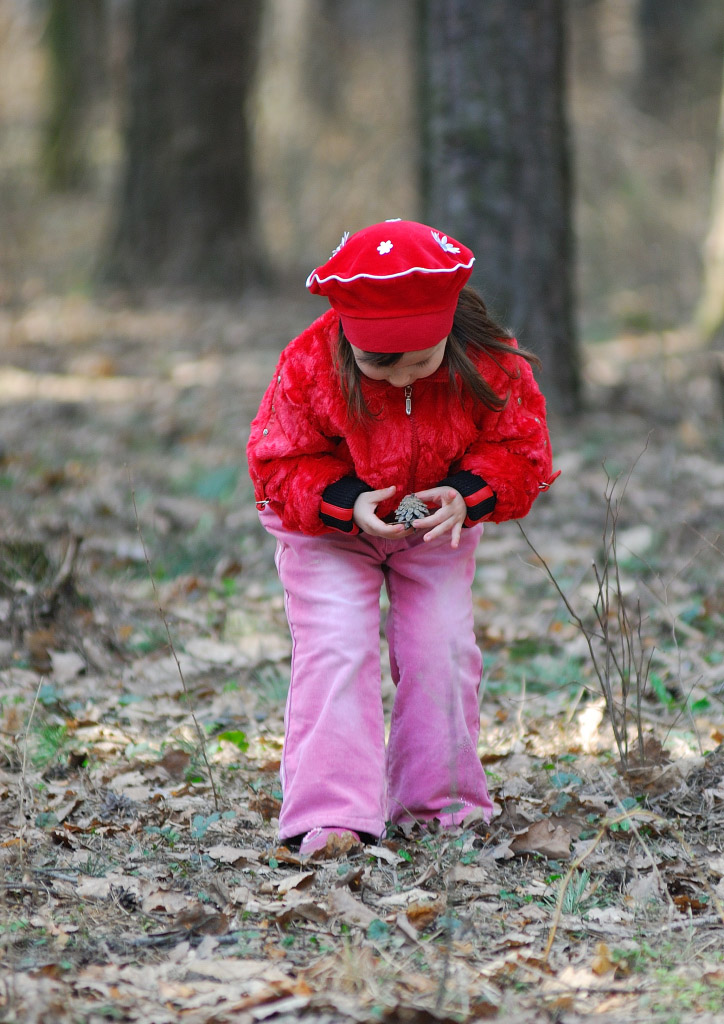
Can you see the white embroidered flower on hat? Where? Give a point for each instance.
(343, 240)
(444, 244)
(395, 286)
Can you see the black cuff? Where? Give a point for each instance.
(478, 495)
(338, 503)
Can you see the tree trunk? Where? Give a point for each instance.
(710, 313)
(680, 53)
(496, 169)
(76, 44)
(185, 212)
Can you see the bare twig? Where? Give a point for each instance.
(164, 620)
(615, 640)
(639, 838)
(626, 816)
(711, 543)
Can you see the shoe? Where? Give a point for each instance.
(330, 842)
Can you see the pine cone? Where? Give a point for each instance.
(411, 508)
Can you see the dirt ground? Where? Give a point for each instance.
(144, 660)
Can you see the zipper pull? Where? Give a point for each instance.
(408, 399)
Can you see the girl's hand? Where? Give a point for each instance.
(449, 518)
(364, 514)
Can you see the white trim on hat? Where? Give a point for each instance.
(388, 277)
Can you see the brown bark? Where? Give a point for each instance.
(76, 44)
(184, 215)
(496, 169)
(710, 313)
(680, 48)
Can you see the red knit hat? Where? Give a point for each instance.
(395, 285)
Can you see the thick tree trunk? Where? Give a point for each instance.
(76, 44)
(680, 53)
(710, 313)
(496, 169)
(185, 211)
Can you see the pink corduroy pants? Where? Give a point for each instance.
(335, 769)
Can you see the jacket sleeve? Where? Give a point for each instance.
(478, 495)
(291, 458)
(512, 453)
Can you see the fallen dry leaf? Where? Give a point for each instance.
(300, 880)
(298, 905)
(545, 838)
(175, 762)
(383, 853)
(471, 874)
(602, 962)
(168, 901)
(421, 915)
(198, 920)
(352, 911)
(236, 856)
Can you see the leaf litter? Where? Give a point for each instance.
(134, 890)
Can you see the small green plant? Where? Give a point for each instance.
(202, 823)
(148, 640)
(658, 687)
(678, 995)
(629, 803)
(167, 834)
(235, 736)
(94, 866)
(378, 931)
(516, 899)
(272, 683)
(562, 779)
(49, 744)
(14, 926)
(574, 896)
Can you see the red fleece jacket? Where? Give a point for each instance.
(302, 439)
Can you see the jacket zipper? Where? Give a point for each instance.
(415, 440)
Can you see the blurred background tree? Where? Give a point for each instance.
(496, 168)
(335, 130)
(185, 213)
(680, 53)
(710, 312)
(77, 45)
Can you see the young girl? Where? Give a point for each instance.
(404, 387)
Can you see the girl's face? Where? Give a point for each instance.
(411, 366)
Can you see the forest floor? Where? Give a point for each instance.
(139, 611)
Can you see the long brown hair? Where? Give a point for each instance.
(472, 328)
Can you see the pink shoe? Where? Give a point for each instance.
(335, 841)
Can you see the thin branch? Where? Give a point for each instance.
(626, 816)
(705, 539)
